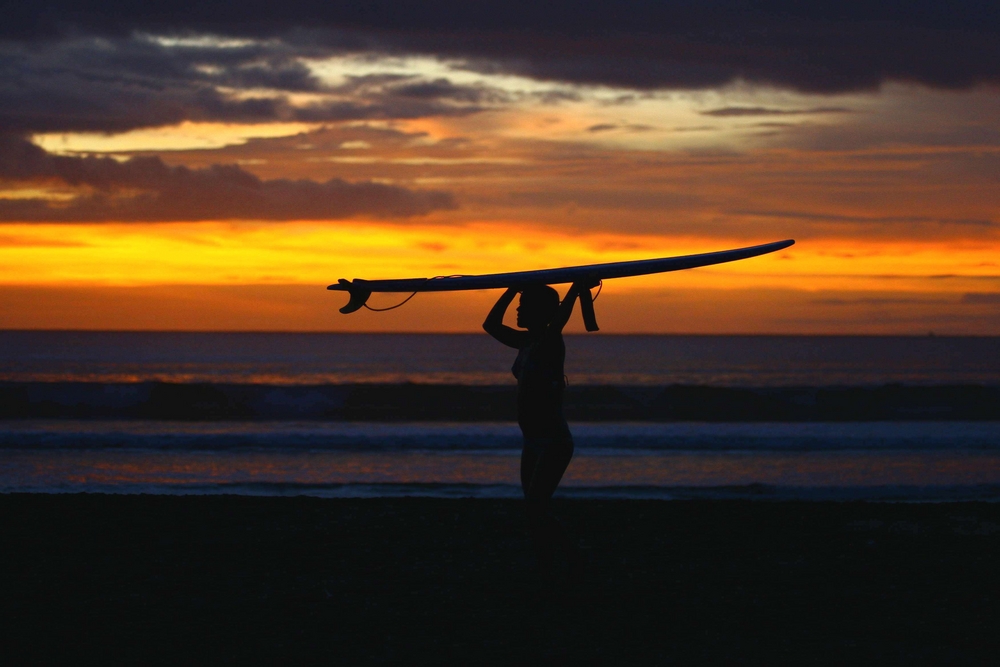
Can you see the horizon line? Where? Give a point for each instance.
(929, 334)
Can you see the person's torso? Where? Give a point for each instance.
(539, 369)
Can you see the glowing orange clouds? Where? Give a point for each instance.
(262, 276)
(894, 210)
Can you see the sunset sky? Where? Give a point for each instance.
(167, 165)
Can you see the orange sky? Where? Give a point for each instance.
(892, 196)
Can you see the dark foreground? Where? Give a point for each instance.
(154, 578)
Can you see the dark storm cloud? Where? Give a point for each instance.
(443, 89)
(616, 199)
(765, 111)
(608, 127)
(823, 46)
(408, 86)
(407, 96)
(89, 84)
(146, 189)
(117, 84)
(864, 220)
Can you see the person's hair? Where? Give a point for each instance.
(541, 299)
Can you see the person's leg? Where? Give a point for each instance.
(529, 460)
(541, 471)
(546, 467)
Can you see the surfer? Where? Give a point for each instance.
(548, 444)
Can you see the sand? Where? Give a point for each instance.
(414, 581)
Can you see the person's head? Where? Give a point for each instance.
(537, 306)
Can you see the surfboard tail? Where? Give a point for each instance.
(358, 292)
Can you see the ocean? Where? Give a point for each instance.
(356, 415)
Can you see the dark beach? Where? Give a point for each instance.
(374, 581)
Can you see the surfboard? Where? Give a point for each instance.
(360, 289)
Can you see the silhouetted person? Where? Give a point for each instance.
(548, 444)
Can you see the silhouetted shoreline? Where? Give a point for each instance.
(159, 578)
(444, 402)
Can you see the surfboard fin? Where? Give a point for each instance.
(359, 294)
(587, 310)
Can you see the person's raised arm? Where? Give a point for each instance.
(565, 309)
(494, 326)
